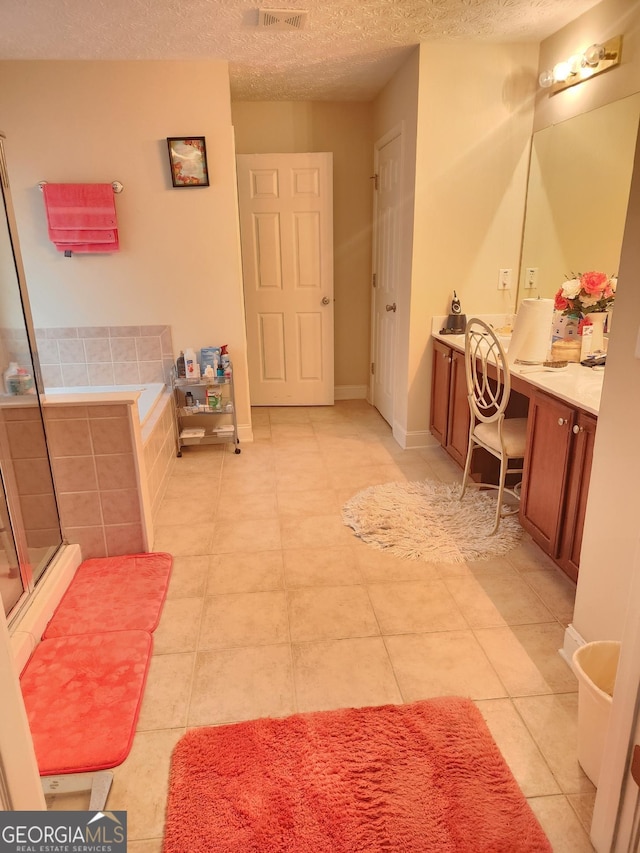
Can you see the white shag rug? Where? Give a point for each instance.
(428, 521)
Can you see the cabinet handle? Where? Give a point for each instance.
(562, 421)
(577, 429)
(446, 357)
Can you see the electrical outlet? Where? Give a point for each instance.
(530, 278)
(504, 280)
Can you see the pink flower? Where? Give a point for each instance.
(608, 292)
(560, 302)
(594, 282)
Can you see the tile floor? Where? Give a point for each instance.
(275, 607)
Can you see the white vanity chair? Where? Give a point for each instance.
(488, 389)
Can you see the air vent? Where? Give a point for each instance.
(282, 19)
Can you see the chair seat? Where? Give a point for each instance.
(514, 435)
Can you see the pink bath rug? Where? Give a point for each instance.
(82, 696)
(113, 594)
(420, 778)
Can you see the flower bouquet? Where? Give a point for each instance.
(586, 293)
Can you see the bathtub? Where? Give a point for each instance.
(111, 422)
(149, 395)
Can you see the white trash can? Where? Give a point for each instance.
(595, 665)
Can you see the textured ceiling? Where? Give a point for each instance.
(347, 51)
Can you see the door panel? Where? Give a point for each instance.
(286, 221)
(386, 267)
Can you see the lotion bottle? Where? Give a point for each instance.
(191, 366)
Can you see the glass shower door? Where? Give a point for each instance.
(30, 532)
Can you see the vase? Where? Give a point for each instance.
(597, 320)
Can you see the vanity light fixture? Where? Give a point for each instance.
(582, 66)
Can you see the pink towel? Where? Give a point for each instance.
(93, 235)
(81, 217)
(93, 248)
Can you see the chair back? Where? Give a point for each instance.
(487, 371)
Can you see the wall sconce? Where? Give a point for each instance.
(582, 66)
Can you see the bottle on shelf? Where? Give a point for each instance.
(180, 369)
(188, 399)
(191, 366)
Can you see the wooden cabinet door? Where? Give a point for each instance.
(546, 470)
(441, 377)
(459, 415)
(584, 434)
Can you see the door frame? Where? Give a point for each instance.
(617, 796)
(396, 131)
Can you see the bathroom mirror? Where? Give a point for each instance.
(577, 196)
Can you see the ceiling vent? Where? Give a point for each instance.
(282, 19)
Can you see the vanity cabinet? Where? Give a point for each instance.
(449, 404)
(556, 478)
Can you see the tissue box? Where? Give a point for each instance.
(209, 357)
(564, 328)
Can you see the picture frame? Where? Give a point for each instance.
(188, 161)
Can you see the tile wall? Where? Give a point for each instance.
(93, 457)
(26, 448)
(104, 355)
(159, 450)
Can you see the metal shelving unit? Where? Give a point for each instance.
(211, 418)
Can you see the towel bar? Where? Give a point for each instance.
(117, 186)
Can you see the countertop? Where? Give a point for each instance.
(576, 385)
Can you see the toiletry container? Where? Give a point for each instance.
(191, 366)
(180, 370)
(10, 378)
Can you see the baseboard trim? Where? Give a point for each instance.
(572, 641)
(245, 433)
(350, 392)
(411, 440)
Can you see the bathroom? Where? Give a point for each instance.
(180, 263)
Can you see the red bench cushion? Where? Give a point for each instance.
(82, 696)
(113, 594)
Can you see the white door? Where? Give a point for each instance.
(286, 225)
(386, 265)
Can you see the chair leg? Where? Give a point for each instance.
(503, 477)
(467, 468)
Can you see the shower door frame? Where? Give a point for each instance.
(18, 532)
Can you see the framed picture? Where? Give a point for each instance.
(188, 160)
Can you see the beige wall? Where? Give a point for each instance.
(179, 261)
(468, 110)
(283, 127)
(607, 19)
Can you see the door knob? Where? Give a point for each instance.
(325, 300)
(391, 307)
(562, 421)
(577, 429)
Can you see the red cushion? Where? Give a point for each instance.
(113, 594)
(82, 696)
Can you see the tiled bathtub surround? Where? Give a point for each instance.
(104, 355)
(159, 442)
(93, 457)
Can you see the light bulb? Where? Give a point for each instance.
(594, 54)
(561, 71)
(575, 63)
(546, 79)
